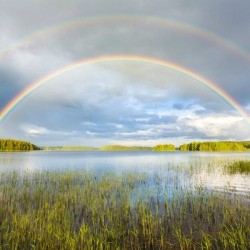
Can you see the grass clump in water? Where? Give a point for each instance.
(83, 210)
(239, 167)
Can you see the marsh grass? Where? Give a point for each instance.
(239, 167)
(83, 210)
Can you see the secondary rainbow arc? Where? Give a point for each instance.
(156, 20)
(132, 58)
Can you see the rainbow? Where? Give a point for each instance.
(134, 19)
(124, 58)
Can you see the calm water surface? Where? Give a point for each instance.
(190, 168)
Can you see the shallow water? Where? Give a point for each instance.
(182, 169)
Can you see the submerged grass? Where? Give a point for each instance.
(83, 210)
(241, 167)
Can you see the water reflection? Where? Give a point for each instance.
(190, 168)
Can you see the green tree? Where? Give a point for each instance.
(8, 145)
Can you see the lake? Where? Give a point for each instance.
(190, 168)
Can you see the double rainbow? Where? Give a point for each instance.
(123, 58)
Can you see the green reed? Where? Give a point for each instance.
(84, 210)
(241, 167)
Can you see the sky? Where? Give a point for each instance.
(120, 101)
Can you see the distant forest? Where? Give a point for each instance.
(8, 145)
(125, 148)
(164, 147)
(215, 146)
(69, 148)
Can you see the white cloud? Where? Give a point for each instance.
(33, 130)
(220, 126)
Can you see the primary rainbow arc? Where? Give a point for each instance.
(132, 58)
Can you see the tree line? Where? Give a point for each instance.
(8, 145)
(193, 146)
(164, 147)
(215, 146)
(124, 148)
(69, 148)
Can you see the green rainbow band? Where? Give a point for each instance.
(142, 19)
(132, 58)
